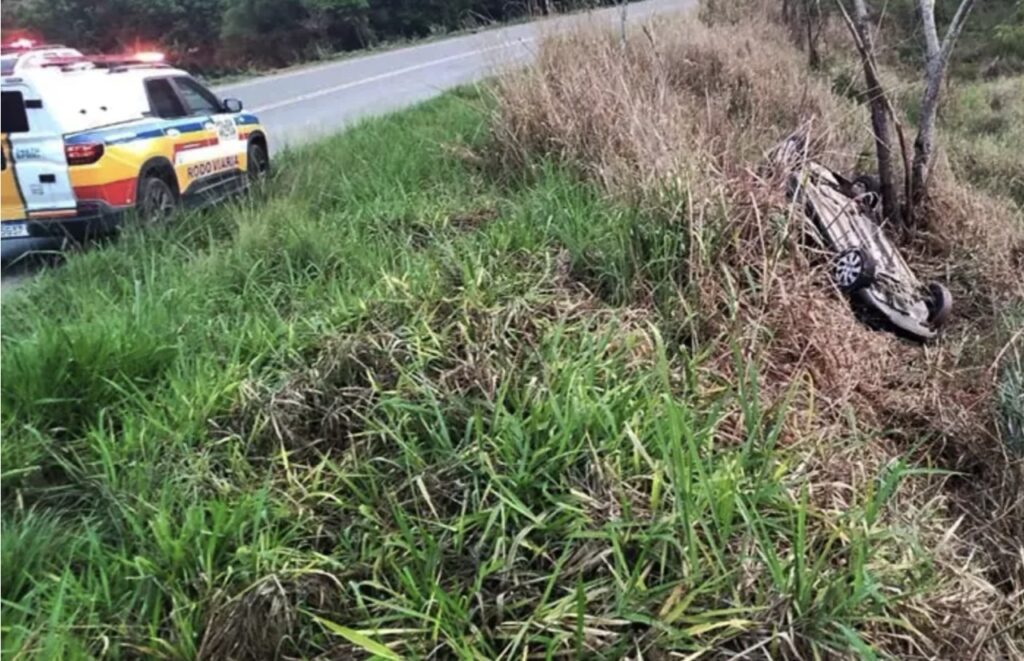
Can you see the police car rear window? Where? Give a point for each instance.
(12, 113)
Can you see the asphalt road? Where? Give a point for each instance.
(302, 104)
(306, 103)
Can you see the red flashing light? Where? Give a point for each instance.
(23, 42)
(83, 154)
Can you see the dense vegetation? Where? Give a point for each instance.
(214, 36)
(992, 43)
(982, 101)
(538, 368)
(993, 40)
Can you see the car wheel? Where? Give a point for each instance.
(940, 304)
(868, 189)
(853, 269)
(867, 183)
(257, 162)
(157, 200)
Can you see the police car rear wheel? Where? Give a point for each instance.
(257, 162)
(156, 199)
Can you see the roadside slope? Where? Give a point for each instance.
(488, 378)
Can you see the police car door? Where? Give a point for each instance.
(35, 153)
(225, 152)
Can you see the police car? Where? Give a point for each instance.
(87, 139)
(21, 54)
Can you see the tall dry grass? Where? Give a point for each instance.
(678, 120)
(681, 101)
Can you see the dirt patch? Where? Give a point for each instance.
(263, 621)
(472, 220)
(321, 408)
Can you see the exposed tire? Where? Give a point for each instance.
(156, 199)
(257, 162)
(940, 304)
(853, 270)
(868, 190)
(867, 183)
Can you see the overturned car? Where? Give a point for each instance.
(866, 266)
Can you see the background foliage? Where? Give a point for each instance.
(217, 36)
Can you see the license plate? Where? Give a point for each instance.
(13, 230)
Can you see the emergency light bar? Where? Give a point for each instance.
(27, 46)
(151, 56)
(148, 58)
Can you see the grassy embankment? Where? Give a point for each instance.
(547, 370)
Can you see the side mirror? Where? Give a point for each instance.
(231, 105)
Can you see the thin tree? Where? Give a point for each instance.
(937, 56)
(860, 29)
(622, 21)
(808, 18)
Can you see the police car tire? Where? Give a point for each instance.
(156, 199)
(257, 163)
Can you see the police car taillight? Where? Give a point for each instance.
(83, 154)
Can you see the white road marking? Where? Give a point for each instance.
(388, 74)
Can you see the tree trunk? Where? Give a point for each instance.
(813, 59)
(622, 22)
(879, 112)
(936, 59)
(924, 144)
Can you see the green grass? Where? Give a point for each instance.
(981, 114)
(370, 407)
(984, 121)
(991, 44)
